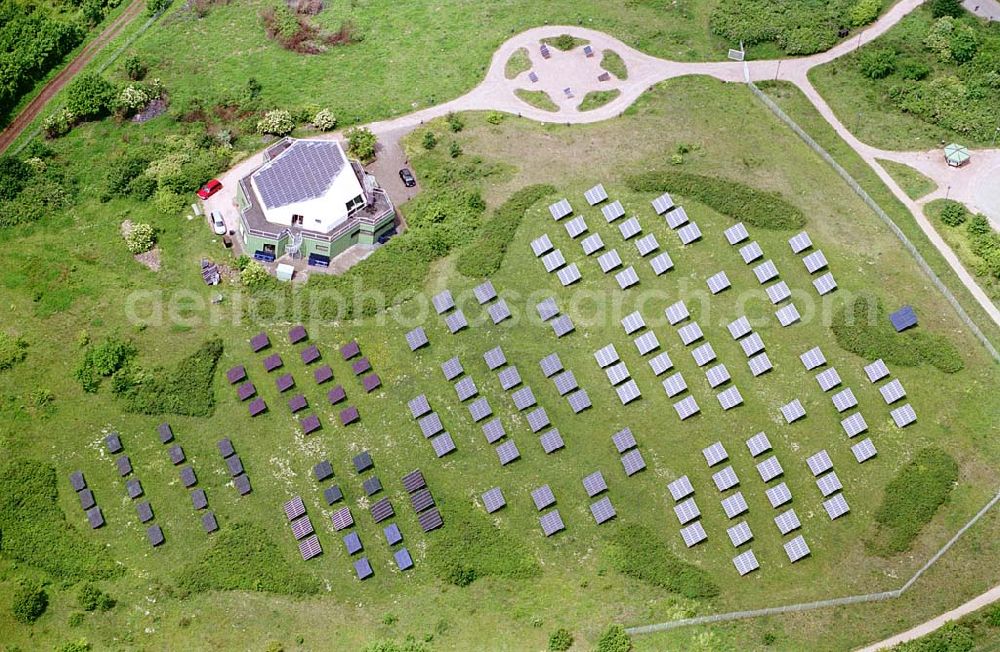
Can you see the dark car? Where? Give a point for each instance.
(408, 179)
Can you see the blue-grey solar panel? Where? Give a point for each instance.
(800, 242)
(594, 483)
(829, 484)
(609, 261)
(647, 245)
(627, 278)
(579, 401)
(730, 398)
(828, 379)
(541, 245)
(303, 171)
(416, 338)
(480, 409)
(647, 343)
(676, 313)
(715, 454)
(606, 356)
(617, 373)
(760, 364)
(674, 385)
(825, 284)
(725, 479)
(793, 411)
(551, 523)
(633, 322)
(310, 547)
(485, 292)
(493, 500)
(734, 505)
(543, 497)
(630, 228)
(686, 407)
(565, 382)
(523, 398)
(507, 452)
(813, 358)
(739, 327)
(595, 195)
(465, 388)
(628, 392)
(551, 441)
(576, 226)
(560, 209)
(690, 333)
(592, 243)
(752, 344)
(819, 463)
(509, 377)
(703, 354)
(778, 495)
(493, 430)
(553, 260)
(663, 203)
(693, 534)
(443, 302)
(758, 444)
(740, 534)
(547, 309)
(736, 234)
(632, 462)
(769, 469)
(301, 527)
(660, 363)
(602, 510)
(788, 315)
(562, 325)
(765, 271)
(689, 233)
(864, 450)
(844, 400)
(892, 391)
(778, 292)
(499, 311)
(751, 252)
(746, 563)
(430, 424)
(814, 261)
(537, 419)
(623, 440)
(551, 365)
(787, 522)
(718, 282)
(836, 507)
(613, 211)
(661, 263)
(676, 217)
(876, 371)
(854, 425)
(456, 321)
(687, 511)
(680, 488)
(495, 358)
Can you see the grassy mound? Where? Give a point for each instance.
(519, 62)
(759, 208)
(911, 500)
(471, 547)
(597, 99)
(863, 328)
(565, 42)
(638, 552)
(484, 256)
(243, 557)
(613, 63)
(537, 99)
(186, 389)
(33, 529)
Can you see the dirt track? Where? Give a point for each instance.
(30, 112)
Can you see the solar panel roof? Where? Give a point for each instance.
(633, 462)
(725, 479)
(592, 243)
(787, 521)
(759, 364)
(734, 505)
(703, 354)
(551, 523)
(829, 484)
(499, 311)
(674, 384)
(661, 263)
(493, 500)
(562, 325)
(547, 309)
(606, 356)
(623, 440)
(630, 228)
(576, 226)
(602, 510)
(609, 261)
(663, 203)
(613, 211)
(595, 195)
(814, 261)
(769, 469)
(627, 278)
(819, 463)
(686, 407)
(523, 398)
(758, 444)
(647, 244)
(718, 282)
(828, 379)
(778, 292)
(690, 333)
(800, 242)
(456, 321)
(844, 400)
(751, 252)
(660, 363)
(864, 450)
(687, 511)
(480, 409)
(892, 391)
(854, 425)
(793, 411)
(579, 401)
(560, 209)
(628, 392)
(778, 495)
(746, 562)
(693, 534)
(676, 217)
(443, 301)
(305, 170)
(647, 343)
(633, 322)
(836, 507)
(485, 292)
(825, 284)
(689, 233)
(680, 488)
(509, 377)
(765, 271)
(551, 441)
(788, 315)
(541, 245)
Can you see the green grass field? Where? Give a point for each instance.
(913, 183)
(519, 62)
(89, 282)
(597, 99)
(537, 99)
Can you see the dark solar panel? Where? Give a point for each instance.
(145, 512)
(246, 390)
(363, 461)
(124, 465)
(422, 499)
(134, 488)
(297, 402)
(86, 498)
(336, 395)
(430, 520)
(259, 342)
(77, 481)
(95, 517)
(413, 481)
(310, 547)
(353, 544)
(332, 494)
(372, 485)
(381, 510)
(310, 354)
(113, 443)
(350, 350)
(310, 424)
(242, 484)
(323, 470)
(371, 382)
(176, 454)
(208, 522)
(297, 334)
(226, 447)
(257, 406)
(392, 534)
(349, 415)
(165, 432)
(305, 170)
(273, 362)
(285, 382)
(198, 499)
(360, 366)
(155, 535)
(236, 374)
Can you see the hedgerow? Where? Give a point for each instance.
(33, 528)
(484, 256)
(472, 547)
(638, 552)
(244, 557)
(952, 637)
(911, 499)
(186, 389)
(760, 208)
(863, 328)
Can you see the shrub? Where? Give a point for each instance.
(58, 123)
(759, 208)
(560, 640)
(454, 150)
(484, 256)
(978, 226)
(495, 117)
(13, 349)
(169, 202)
(878, 64)
(244, 557)
(455, 122)
(154, 7)
(80, 645)
(639, 553)
(430, 141)
(361, 143)
(863, 12)
(963, 44)
(614, 639)
(122, 171)
(29, 603)
(254, 275)
(938, 39)
(863, 328)
(186, 389)
(91, 598)
(952, 637)
(324, 120)
(563, 42)
(90, 96)
(953, 213)
(276, 123)
(914, 70)
(131, 99)
(135, 68)
(951, 8)
(141, 238)
(103, 361)
(14, 174)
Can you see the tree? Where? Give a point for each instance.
(135, 69)
(614, 639)
(154, 7)
(455, 123)
(430, 140)
(58, 123)
(29, 603)
(963, 44)
(361, 143)
(90, 96)
(951, 8)
(13, 175)
(953, 213)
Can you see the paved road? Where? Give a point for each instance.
(975, 604)
(988, 9)
(35, 107)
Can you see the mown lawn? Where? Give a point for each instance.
(913, 183)
(100, 281)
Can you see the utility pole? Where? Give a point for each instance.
(777, 71)
(947, 193)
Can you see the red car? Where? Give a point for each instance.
(209, 189)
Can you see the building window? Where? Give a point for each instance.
(297, 220)
(355, 204)
(322, 248)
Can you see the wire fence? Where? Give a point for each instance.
(882, 215)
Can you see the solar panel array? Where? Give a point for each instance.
(456, 321)
(565, 382)
(507, 452)
(829, 484)
(551, 523)
(663, 203)
(579, 401)
(523, 398)
(836, 507)
(734, 505)
(864, 450)
(693, 534)
(537, 419)
(752, 344)
(623, 440)
(416, 338)
(854, 425)
(718, 282)
(758, 444)
(751, 252)
(602, 510)
(717, 375)
(633, 322)
(543, 497)
(647, 343)
(606, 356)
(725, 479)
(569, 275)
(689, 233)
(443, 302)
(494, 431)
(739, 534)
(677, 217)
(562, 325)
(551, 364)
(509, 378)
(493, 500)
(778, 292)
(499, 311)
(813, 358)
(551, 441)
(465, 388)
(495, 358)
(560, 209)
(595, 195)
(480, 409)
(553, 260)
(715, 454)
(687, 511)
(633, 462)
(541, 245)
(876, 371)
(814, 262)
(703, 354)
(825, 284)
